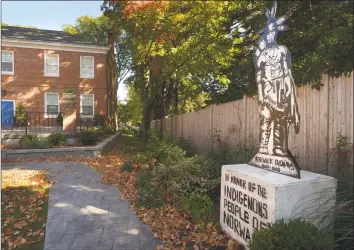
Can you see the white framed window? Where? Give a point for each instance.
(51, 105)
(87, 69)
(7, 62)
(51, 64)
(87, 105)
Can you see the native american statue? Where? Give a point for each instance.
(277, 99)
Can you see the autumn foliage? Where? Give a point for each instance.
(135, 7)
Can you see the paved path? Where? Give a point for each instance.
(84, 214)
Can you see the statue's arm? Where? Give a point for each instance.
(257, 64)
(292, 88)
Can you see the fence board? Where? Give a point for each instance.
(324, 115)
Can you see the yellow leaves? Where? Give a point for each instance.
(178, 17)
(233, 245)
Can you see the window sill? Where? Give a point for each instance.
(46, 75)
(84, 77)
(86, 116)
(51, 116)
(7, 73)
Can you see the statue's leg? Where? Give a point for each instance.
(265, 130)
(279, 138)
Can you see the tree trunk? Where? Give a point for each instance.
(145, 125)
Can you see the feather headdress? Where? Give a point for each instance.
(272, 21)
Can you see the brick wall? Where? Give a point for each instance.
(28, 84)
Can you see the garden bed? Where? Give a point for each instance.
(77, 151)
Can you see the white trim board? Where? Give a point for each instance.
(55, 46)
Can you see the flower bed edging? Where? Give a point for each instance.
(92, 151)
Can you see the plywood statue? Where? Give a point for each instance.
(277, 99)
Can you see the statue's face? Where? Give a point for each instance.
(271, 36)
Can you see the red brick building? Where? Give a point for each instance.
(39, 66)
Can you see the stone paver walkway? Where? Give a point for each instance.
(84, 214)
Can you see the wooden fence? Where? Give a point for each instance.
(324, 115)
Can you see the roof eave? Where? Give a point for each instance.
(22, 43)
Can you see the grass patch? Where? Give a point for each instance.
(24, 209)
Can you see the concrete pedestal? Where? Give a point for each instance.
(252, 197)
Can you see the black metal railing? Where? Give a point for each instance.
(86, 122)
(42, 122)
(24, 122)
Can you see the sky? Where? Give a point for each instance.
(51, 15)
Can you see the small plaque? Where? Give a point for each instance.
(278, 164)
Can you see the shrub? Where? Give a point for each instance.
(185, 145)
(141, 158)
(109, 130)
(98, 120)
(20, 117)
(186, 176)
(224, 152)
(87, 137)
(26, 138)
(200, 206)
(57, 139)
(296, 234)
(60, 119)
(149, 196)
(232, 154)
(144, 177)
(162, 150)
(149, 193)
(126, 167)
(32, 142)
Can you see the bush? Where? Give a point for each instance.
(185, 145)
(32, 142)
(60, 119)
(296, 234)
(163, 150)
(130, 130)
(20, 117)
(141, 158)
(109, 130)
(98, 120)
(149, 193)
(126, 167)
(57, 139)
(144, 177)
(232, 155)
(186, 176)
(227, 152)
(87, 137)
(150, 196)
(200, 206)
